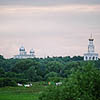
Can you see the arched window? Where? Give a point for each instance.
(93, 58)
(96, 58)
(86, 57)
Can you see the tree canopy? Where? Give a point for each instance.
(82, 84)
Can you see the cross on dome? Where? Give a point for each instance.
(91, 38)
(91, 35)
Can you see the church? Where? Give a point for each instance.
(91, 55)
(23, 54)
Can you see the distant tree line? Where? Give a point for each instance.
(39, 69)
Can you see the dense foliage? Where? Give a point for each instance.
(37, 69)
(40, 69)
(82, 84)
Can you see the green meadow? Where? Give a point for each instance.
(21, 93)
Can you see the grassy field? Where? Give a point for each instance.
(21, 93)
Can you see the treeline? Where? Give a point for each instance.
(39, 69)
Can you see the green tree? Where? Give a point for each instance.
(1, 57)
(23, 65)
(82, 84)
(7, 82)
(31, 74)
(11, 74)
(54, 66)
(51, 74)
(2, 72)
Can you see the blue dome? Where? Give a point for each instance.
(22, 48)
(31, 51)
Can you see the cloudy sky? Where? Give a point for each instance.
(50, 27)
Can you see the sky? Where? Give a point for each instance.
(50, 27)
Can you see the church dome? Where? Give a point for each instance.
(31, 51)
(22, 48)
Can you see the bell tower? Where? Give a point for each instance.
(91, 55)
(91, 45)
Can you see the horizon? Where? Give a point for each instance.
(46, 55)
(51, 28)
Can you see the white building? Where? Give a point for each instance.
(91, 55)
(23, 54)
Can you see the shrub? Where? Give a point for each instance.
(7, 82)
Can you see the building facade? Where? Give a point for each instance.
(23, 54)
(91, 55)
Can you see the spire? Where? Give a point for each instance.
(91, 38)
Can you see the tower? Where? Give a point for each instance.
(91, 45)
(91, 55)
(32, 52)
(22, 50)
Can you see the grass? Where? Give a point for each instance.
(18, 97)
(21, 93)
